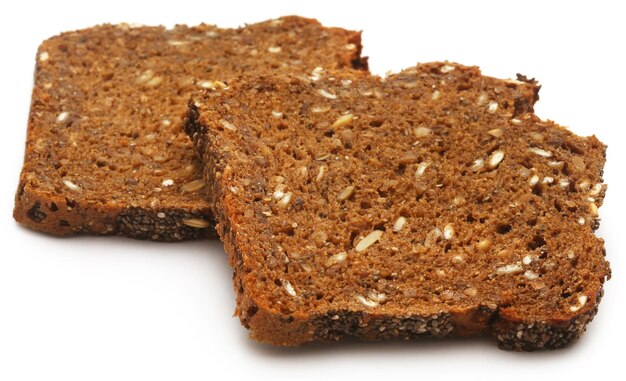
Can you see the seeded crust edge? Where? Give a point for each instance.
(60, 216)
(266, 326)
(56, 215)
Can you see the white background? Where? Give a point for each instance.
(92, 308)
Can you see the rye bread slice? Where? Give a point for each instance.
(105, 151)
(430, 203)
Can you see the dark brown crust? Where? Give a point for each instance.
(510, 335)
(267, 324)
(42, 203)
(63, 216)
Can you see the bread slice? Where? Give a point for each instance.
(105, 151)
(430, 203)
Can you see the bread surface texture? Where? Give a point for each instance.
(105, 151)
(429, 203)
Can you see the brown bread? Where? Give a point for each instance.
(431, 203)
(105, 152)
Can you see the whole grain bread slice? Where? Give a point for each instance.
(105, 151)
(430, 203)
